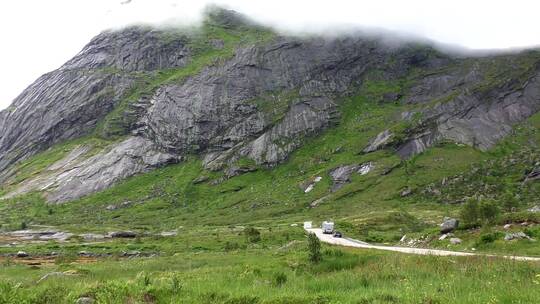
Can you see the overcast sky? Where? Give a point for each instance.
(39, 35)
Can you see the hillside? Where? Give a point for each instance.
(206, 130)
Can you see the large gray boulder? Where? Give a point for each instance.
(449, 225)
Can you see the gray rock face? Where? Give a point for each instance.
(214, 111)
(475, 119)
(449, 225)
(68, 102)
(67, 180)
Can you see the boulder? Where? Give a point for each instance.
(516, 236)
(133, 253)
(455, 241)
(406, 192)
(92, 236)
(449, 225)
(123, 234)
(22, 254)
(59, 236)
(84, 300)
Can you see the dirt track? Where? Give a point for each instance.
(328, 238)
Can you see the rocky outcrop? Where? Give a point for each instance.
(214, 112)
(464, 114)
(74, 176)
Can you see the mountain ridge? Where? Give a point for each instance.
(232, 91)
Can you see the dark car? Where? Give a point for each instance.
(337, 234)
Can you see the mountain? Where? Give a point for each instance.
(239, 97)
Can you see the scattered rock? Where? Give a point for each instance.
(533, 175)
(406, 192)
(119, 206)
(59, 236)
(123, 234)
(443, 237)
(31, 234)
(403, 239)
(535, 209)
(379, 142)
(317, 202)
(92, 236)
(236, 170)
(449, 225)
(455, 241)
(311, 185)
(365, 168)
(169, 233)
(22, 254)
(516, 236)
(84, 300)
(507, 226)
(341, 175)
(133, 253)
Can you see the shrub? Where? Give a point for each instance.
(230, 246)
(23, 225)
(280, 279)
(487, 238)
(314, 248)
(469, 213)
(252, 235)
(510, 203)
(488, 211)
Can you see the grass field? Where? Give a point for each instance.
(204, 267)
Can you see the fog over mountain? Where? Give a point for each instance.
(65, 26)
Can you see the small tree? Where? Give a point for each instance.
(510, 203)
(488, 211)
(314, 248)
(469, 212)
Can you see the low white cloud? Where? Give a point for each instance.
(38, 36)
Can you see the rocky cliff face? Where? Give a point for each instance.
(259, 102)
(69, 102)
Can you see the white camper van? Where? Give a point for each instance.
(328, 227)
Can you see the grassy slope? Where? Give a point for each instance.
(369, 208)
